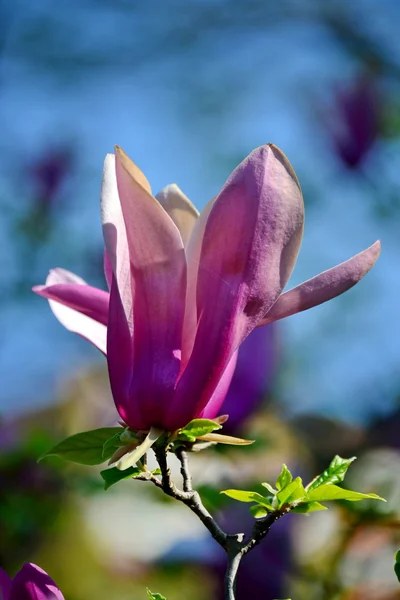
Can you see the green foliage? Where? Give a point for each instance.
(202, 430)
(333, 492)
(397, 564)
(115, 442)
(87, 447)
(113, 476)
(155, 596)
(243, 496)
(258, 511)
(197, 428)
(335, 473)
(308, 507)
(285, 477)
(293, 492)
(292, 495)
(269, 487)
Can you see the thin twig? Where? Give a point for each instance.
(260, 529)
(191, 499)
(234, 545)
(148, 476)
(186, 476)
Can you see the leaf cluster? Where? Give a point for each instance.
(289, 494)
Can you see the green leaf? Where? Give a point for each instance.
(397, 564)
(292, 492)
(113, 476)
(334, 492)
(335, 473)
(285, 477)
(269, 487)
(309, 507)
(85, 448)
(197, 428)
(154, 596)
(258, 511)
(245, 496)
(113, 443)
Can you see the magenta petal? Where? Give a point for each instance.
(158, 272)
(82, 323)
(32, 583)
(5, 585)
(250, 245)
(325, 286)
(88, 300)
(120, 361)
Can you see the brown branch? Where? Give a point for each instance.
(190, 498)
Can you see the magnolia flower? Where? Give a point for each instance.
(187, 289)
(30, 583)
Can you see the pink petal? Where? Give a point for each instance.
(158, 270)
(32, 583)
(88, 300)
(325, 286)
(5, 585)
(179, 208)
(250, 245)
(90, 323)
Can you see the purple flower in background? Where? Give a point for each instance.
(252, 379)
(186, 289)
(357, 121)
(48, 173)
(30, 583)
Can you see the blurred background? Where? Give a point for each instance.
(188, 89)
